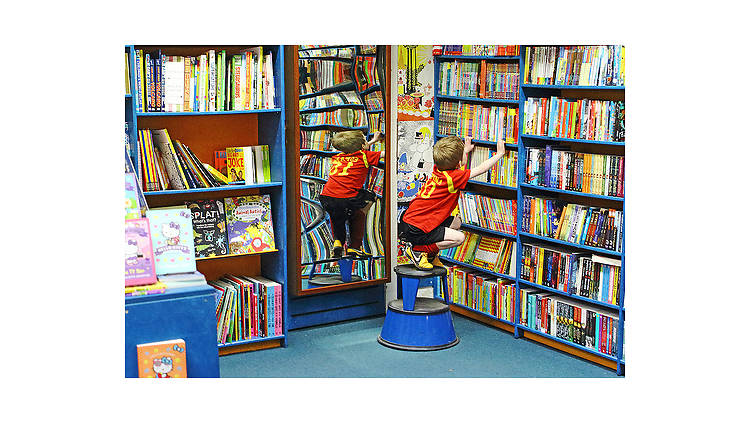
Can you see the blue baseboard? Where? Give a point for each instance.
(308, 311)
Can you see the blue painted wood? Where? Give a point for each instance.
(342, 87)
(572, 245)
(569, 343)
(474, 267)
(339, 299)
(477, 99)
(204, 113)
(311, 127)
(578, 141)
(573, 87)
(483, 313)
(571, 192)
(337, 315)
(489, 231)
(568, 295)
(492, 185)
(186, 313)
(220, 188)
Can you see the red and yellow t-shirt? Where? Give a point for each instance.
(348, 173)
(436, 199)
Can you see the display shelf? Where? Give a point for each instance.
(369, 89)
(449, 57)
(205, 113)
(569, 343)
(488, 231)
(486, 314)
(477, 99)
(481, 141)
(578, 141)
(572, 192)
(323, 48)
(214, 189)
(320, 179)
(621, 88)
(572, 245)
(252, 340)
(329, 108)
(207, 132)
(235, 255)
(568, 295)
(474, 267)
(492, 185)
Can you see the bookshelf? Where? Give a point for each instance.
(311, 304)
(209, 131)
(524, 188)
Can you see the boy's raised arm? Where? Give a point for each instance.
(377, 137)
(487, 164)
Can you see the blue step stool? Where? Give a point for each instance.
(417, 323)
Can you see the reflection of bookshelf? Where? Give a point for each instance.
(312, 136)
(209, 131)
(610, 315)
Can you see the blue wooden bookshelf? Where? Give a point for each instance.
(520, 331)
(208, 131)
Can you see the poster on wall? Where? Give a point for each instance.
(415, 82)
(414, 157)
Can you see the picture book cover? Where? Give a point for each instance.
(249, 224)
(236, 164)
(172, 239)
(139, 258)
(209, 227)
(132, 204)
(163, 359)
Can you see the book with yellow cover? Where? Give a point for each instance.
(162, 359)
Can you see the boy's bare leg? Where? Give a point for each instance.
(452, 238)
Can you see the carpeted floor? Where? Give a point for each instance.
(350, 350)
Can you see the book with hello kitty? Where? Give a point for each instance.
(162, 359)
(172, 239)
(139, 258)
(249, 224)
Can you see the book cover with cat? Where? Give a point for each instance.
(162, 359)
(249, 224)
(172, 239)
(209, 227)
(139, 258)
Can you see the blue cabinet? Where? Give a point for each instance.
(186, 313)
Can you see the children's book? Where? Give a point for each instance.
(172, 239)
(150, 289)
(162, 359)
(139, 258)
(249, 224)
(132, 204)
(209, 227)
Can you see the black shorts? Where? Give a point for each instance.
(416, 236)
(346, 206)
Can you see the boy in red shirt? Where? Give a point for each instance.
(343, 197)
(431, 223)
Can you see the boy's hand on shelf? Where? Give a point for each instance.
(468, 145)
(500, 147)
(377, 137)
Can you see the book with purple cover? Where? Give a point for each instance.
(139, 258)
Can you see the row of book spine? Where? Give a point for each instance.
(341, 52)
(317, 75)
(598, 120)
(602, 65)
(599, 174)
(330, 100)
(210, 82)
(488, 252)
(374, 181)
(481, 50)
(487, 212)
(480, 292)
(315, 165)
(587, 326)
(459, 78)
(376, 122)
(316, 139)
(374, 100)
(164, 164)
(342, 117)
(310, 189)
(373, 240)
(499, 81)
(590, 276)
(573, 223)
(367, 75)
(309, 213)
(479, 122)
(247, 307)
(320, 242)
(503, 173)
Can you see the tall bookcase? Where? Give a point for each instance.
(206, 132)
(522, 189)
(319, 305)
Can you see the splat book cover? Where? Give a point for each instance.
(249, 224)
(209, 227)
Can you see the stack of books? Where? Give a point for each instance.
(499, 80)
(247, 307)
(329, 100)
(317, 75)
(315, 165)
(481, 50)
(487, 123)
(459, 79)
(367, 75)
(316, 139)
(342, 117)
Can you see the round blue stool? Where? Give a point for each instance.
(417, 323)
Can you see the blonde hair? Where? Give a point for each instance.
(448, 152)
(348, 141)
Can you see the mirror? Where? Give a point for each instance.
(342, 172)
